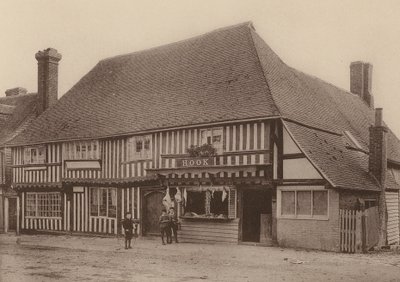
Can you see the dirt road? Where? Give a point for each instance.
(73, 258)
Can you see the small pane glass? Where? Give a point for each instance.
(287, 203)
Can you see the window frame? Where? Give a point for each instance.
(144, 153)
(37, 161)
(36, 204)
(211, 130)
(98, 194)
(296, 189)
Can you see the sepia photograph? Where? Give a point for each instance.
(180, 141)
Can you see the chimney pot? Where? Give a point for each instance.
(361, 81)
(378, 117)
(16, 91)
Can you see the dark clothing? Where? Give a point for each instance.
(165, 228)
(127, 224)
(173, 226)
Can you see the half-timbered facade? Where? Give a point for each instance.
(289, 150)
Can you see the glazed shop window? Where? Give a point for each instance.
(207, 204)
(214, 137)
(35, 155)
(103, 202)
(82, 150)
(43, 205)
(139, 147)
(304, 203)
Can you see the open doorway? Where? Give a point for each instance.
(257, 216)
(12, 214)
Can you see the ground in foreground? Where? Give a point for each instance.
(70, 258)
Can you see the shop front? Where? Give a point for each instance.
(220, 204)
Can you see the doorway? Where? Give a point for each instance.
(257, 215)
(152, 207)
(12, 214)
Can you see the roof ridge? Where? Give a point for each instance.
(262, 69)
(16, 96)
(243, 24)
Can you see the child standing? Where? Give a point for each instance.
(127, 224)
(173, 224)
(164, 226)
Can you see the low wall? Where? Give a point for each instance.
(209, 231)
(312, 233)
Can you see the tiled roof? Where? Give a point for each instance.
(213, 77)
(228, 74)
(16, 113)
(341, 166)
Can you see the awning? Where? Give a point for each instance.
(35, 186)
(141, 180)
(210, 169)
(75, 165)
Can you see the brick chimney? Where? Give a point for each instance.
(16, 91)
(377, 149)
(361, 81)
(47, 78)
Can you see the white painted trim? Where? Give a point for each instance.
(307, 156)
(295, 189)
(150, 131)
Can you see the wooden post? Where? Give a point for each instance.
(359, 245)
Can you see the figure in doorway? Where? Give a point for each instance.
(165, 226)
(128, 226)
(173, 223)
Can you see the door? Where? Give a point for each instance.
(12, 214)
(152, 206)
(256, 215)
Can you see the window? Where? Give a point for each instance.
(369, 203)
(35, 155)
(43, 205)
(103, 202)
(212, 136)
(81, 150)
(303, 203)
(139, 147)
(207, 204)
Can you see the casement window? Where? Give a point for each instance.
(81, 150)
(103, 202)
(139, 148)
(43, 204)
(35, 155)
(210, 204)
(303, 203)
(214, 137)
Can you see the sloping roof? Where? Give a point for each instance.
(341, 166)
(228, 74)
(17, 112)
(213, 77)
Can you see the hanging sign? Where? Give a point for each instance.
(195, 162)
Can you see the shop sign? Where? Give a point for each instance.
(195, 162)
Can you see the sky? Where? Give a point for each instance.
(318, 37)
